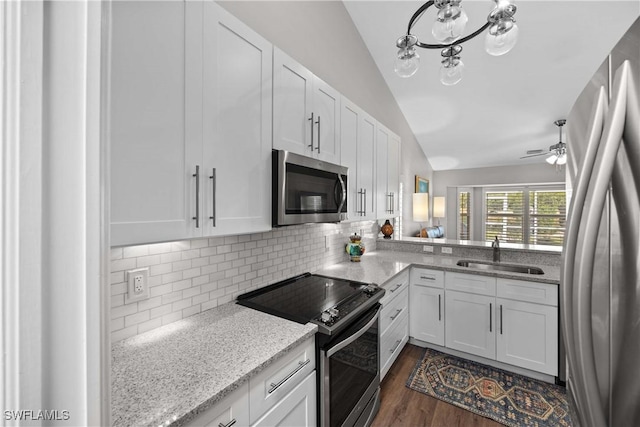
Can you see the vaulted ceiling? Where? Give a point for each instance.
(504, 105)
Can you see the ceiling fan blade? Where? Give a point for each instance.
(536, 155)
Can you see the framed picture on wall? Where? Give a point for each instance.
(422, 185)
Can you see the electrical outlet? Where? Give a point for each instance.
(137, 285)
(427, 248)
(446, 250)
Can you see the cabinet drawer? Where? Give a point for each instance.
(391, 313)
(423, 276)
(521, 290)
(298, 408)
(395, 286)
(475, 284)
(272, 384)
(392, 342)
(232, 409)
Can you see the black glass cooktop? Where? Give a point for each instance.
(301, 298)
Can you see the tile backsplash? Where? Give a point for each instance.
(189, 276)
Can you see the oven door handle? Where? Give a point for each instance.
(342, 344)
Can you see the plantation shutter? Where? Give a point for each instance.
(504, 216)
(547, 217)
(464, 223)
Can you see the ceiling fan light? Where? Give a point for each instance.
(501, 37)
(552, 159)
(407, 62)
(562, 159)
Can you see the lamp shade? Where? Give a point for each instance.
(420, 207)
(438, 207)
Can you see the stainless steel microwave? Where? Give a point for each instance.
(307, 190)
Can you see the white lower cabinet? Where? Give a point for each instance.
(232, 410)
(296, 409)
(507, 320)
(284, 394)
(470, 325)
(394, 321)
(426, 305)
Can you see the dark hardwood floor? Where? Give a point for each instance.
(402, 406)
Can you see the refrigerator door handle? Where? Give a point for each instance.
(594, 130)
(585, 254)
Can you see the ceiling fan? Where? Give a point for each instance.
(557, 154)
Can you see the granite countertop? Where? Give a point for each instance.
(170, 374)
(380, 266)
(472, 244)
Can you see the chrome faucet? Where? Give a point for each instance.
(496, 249)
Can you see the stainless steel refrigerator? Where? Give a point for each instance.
(600, 289)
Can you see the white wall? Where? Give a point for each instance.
(445, 184)
(321, 36)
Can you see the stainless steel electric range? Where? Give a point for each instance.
(347, 345)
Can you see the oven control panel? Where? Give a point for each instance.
(333, 315)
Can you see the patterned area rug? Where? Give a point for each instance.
(508, 398)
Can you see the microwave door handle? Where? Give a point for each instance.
(344, 193)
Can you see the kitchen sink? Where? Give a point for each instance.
(486, 265)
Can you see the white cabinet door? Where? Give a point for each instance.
(297, 409)
(154, 99)
(326, 109)
(292, 105)
(382, 196)
(470, 325)
(232, 410)
(527, 335)
(357, 148)
(427, 314)
(237, 120)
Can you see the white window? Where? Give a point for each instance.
(464, 214)
(525, 215)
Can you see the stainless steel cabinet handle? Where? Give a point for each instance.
(361, 194)
(311, 120)
(398, 286)
(318, 123)
(197, 177)
(428, 277)
(213, 197)
(500, 319)
(398, 311)
(364, 205)
(439, 307)
(490, 317)
(396, 346)
(393, 202)
(229, 424)
(301, 365)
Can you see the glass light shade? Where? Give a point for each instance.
(552, 159)
(449, 24)
(562, 159)
(451, 71)
(420, 207)
(438, 207)
(407, 62)
(501, 37)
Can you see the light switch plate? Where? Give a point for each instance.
(446, 250)
(427, 248)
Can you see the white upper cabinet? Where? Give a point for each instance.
(237, 70)
(190, 123)
(153, 116)
(357, 143)
(387, 173)
(306, 111)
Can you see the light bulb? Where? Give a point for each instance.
(450, 24)
(407, 62)
(451, 71)
(552, 159)
(501, 37)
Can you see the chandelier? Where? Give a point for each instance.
(448, 27)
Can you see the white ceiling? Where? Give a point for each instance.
(504, 105)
